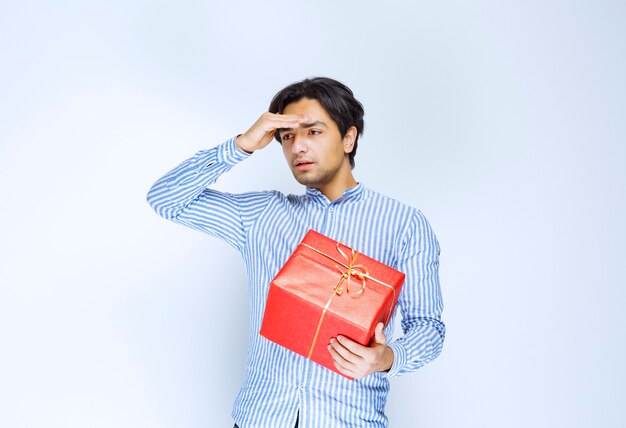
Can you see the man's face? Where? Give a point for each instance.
(315, 151)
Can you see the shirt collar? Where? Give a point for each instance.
(350, 194)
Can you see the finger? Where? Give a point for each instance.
(352, 346)
(379, 334)
(337, 357)
(344, 352)
(283, 124)
(300, 118)
(346, 371)
(292, 116)
(342, 366)
(280, 127)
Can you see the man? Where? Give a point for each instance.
(318, 122)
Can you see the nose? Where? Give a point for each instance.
(299, 143)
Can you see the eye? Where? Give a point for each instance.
(285, 137)
(315, 130)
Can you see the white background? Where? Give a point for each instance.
(503, 121)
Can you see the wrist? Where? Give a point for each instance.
(388, 357)
(238, 142)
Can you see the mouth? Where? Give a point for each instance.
(303, 164)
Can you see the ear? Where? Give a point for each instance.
(349, 139)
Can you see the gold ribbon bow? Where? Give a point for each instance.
(352, 269)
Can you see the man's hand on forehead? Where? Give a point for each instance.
(262, 131)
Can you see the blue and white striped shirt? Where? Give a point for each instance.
(265, 227)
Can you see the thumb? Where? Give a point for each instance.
(379, 336)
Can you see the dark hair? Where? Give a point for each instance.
(336, 98)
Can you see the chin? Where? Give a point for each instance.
(305, 181)
(302, 181)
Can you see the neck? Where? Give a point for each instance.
(335, 189)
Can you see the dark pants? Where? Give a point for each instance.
(296, 426)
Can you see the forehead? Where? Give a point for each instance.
(313, 108)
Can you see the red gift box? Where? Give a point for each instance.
(325, 289)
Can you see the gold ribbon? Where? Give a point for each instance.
(352, 269)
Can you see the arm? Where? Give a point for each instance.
(421, 306)
(182, 195)
(420, 300)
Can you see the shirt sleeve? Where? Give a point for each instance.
(420, 300)
(182, 195)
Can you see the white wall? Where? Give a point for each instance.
(502, 121)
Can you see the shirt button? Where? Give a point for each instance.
(302, 388)
(330, 209)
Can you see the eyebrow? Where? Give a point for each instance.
(305, 125)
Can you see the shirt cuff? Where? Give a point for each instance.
(230, 154)
(399, 359)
